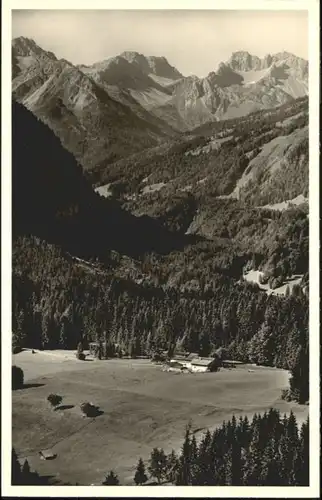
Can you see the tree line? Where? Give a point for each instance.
(57, 304)
(269, 450)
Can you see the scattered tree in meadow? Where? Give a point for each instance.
(140, 476)
(54, 400)
(89, 410)
(17, 377)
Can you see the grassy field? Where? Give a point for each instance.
(143, 407)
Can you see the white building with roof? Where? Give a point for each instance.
(204, 365)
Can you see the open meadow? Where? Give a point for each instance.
(142, 407)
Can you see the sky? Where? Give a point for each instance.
(193, 41)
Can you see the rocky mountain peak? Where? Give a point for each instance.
(25, 47)
(299, 65)
(160, 66)
(267, 61)
(135, 57)
(244, 61)
(157, 65)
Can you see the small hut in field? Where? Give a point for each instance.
(203, 365)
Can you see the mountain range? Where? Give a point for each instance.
(129, 103)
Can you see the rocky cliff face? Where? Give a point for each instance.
(158, 66)
(243, 61)
(244, 84)
(94, 126)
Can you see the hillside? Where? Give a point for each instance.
(141, 282)
(233, 180)
(53, 200)
(260, 159)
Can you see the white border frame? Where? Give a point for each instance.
(312, 6)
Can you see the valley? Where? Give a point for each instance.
(157, 215)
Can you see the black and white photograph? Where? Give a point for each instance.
(162, 317)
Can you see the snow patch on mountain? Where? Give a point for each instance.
(150, 98)
(165, 82)
(253, 76)
(284, 205)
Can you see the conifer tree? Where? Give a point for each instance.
(270, 466)
(157, 464)
(172, 467)
(25, 473)
(236, 469)
(253, 457)
(184, 470)
(20, 334)
(111, 479)
(100, 348)
(63, 340)
(140, 476)
(15, 469)
(301, 465)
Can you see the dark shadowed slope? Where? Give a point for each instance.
(52, 199)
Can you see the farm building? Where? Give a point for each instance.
(228, 363)
(204, 365)
(47, 455)
(177, 363)
(192, 355)
(93, 347)
(196, 364)
(180, 357)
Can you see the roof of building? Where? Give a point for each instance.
(176, 361)
(192, 355)
(233, 362)
(97, 343)
(202, 361)
(47, 454)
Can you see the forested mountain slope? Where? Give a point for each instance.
(224, 181)
(215, 157)
(52, 199)
(191, 297)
